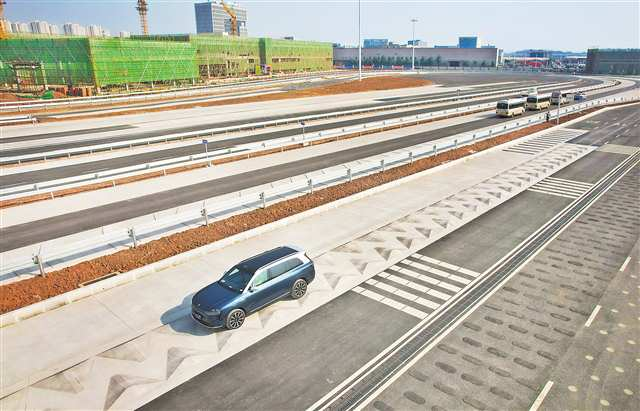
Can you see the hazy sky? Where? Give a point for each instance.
(511, 25)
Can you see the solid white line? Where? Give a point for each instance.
(592, 316)
(536, 404)
(626, 262)
(550, 193)
(569, 181)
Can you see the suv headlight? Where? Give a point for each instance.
(215, 313)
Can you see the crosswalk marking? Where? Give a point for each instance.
(417, 285)
(541, 143)
(561, 187)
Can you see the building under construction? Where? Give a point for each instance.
(33, 62)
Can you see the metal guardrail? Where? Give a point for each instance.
(203, 212)
(16, 119)
(250, 126)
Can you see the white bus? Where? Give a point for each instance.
(538, 101)
(511, 107)
(561, 97)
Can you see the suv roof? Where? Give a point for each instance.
(252, 264)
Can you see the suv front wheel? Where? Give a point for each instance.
(235, 319)
(299, 289)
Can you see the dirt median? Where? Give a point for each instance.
(29, 291)
(354, 86)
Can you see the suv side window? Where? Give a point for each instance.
(283, 267)
(261, 278)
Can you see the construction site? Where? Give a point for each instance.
(82, 65)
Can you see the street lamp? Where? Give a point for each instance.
(413, 49)
(359, 46)
(302, 123)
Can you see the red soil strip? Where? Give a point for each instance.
(30, 291)
(356, 86)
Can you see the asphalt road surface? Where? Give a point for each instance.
(298, 365)
(17, 236)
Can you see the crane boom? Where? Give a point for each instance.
(143, 9)
(234, 18)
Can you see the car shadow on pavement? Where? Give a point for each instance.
(179, 319)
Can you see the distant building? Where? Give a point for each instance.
(125, 34)
(288, 37)
(211, 17)
(39, 27)
(417, 43)
(74, 29)
(18, 27)
(94, 30)
(373, 43)
(469, 42)
(613, 61)
(54, 29)
(445, 47)
(425, 56)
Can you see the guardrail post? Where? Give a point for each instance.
(132, 234)
(382, 165)
(410, 157)
(310, 183)
(37, 260)
(455, 143)
(263, 200)
(435, 149)
(349, 175)
(205, 214)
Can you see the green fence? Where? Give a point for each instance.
(219, 56)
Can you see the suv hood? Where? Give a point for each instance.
(213, 296)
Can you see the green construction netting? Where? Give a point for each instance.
(290, 55)
(58, 61)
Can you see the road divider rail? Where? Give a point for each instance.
(118, 236)
(252, 126)
(4, 121)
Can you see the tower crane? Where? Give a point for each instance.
(234, 18)
(3, 22)
(142, 8)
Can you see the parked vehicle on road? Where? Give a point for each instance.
(580, 97)
(559, 98)
(538, 101)
(251, 285)
(511, 107)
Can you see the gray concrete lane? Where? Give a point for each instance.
(619, 126)
(482, 242)
(42, 230)
(294, 367)
(140, 135)
(126, 161)
(66, 133)
(591, 168)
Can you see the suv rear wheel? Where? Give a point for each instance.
(299, 289)
(235, 319)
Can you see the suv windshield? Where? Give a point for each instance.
(236, 278)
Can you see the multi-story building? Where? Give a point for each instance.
(39, 27)
(469, 42)
(74, 29)
(211, 17)
(425, 56)
(613, 61)
(373, 43)
(94, 30)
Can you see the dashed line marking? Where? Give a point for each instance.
(592, 316)
(536, 404)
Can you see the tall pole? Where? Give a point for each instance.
(413, 48)
(359, 46)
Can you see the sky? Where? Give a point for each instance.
(571, 25)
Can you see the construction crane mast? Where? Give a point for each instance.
(142, 8)
(234, 18)
(3, 22)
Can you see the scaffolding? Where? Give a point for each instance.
(295, 56)
(36, 62)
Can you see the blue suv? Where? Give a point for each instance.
(252, 284)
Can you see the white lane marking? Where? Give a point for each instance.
(592, 316)
(626, 262)
(551, 193)
(570, 181)
(538, 402)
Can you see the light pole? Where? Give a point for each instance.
(359, 46)
(413, 48)
(302, 123)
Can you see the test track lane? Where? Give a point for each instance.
(33, 177)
